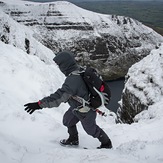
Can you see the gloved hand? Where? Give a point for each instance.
(31, 107)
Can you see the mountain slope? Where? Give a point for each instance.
(34, 138)
(110, 43)
(20, 36)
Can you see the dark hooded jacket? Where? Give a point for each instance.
(73, 85)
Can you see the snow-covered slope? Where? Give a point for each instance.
(108, 42)
(144, 88)
(20, 36)
(24, 78)
(34, 138)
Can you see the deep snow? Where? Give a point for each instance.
(34, 138)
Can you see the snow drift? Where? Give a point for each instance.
(34, 138)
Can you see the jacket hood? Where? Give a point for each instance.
(66, 62)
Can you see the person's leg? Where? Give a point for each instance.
(104, 139)
(90, 126)
(70, 121)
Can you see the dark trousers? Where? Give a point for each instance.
(88, 121)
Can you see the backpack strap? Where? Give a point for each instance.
(78, 72)
(78, 98)
(81, 100)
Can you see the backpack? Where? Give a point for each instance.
(100, 93)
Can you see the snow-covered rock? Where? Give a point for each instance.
(144, 88)
(20, 36)
(108, 42)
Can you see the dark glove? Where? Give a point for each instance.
(31, 107)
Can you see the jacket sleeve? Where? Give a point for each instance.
(55, 99)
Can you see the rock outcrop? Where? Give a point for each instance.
(144, 86)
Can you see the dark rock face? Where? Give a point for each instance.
(108, 42)
(131, 107)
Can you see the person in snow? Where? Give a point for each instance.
(73, 86)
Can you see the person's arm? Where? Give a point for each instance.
(54, 100)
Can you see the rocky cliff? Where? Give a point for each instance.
(144, 86)
(108, 42)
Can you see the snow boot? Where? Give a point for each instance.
(73, 140)
(105, 141)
